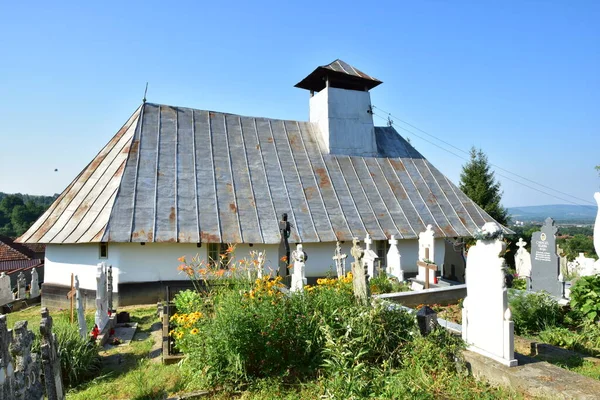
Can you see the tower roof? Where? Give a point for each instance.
(340, 75)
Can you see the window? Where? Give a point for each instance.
(215, 251)
(103, 250)
(381, 248)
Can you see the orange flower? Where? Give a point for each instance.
(181, 267)
(284, 259)
(181, 259)
(220, 272)
(230, 249)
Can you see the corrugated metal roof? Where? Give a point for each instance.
(340, 74)
(176, 174)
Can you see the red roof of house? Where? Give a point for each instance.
(11, 251)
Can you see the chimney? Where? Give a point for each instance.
(340, 105)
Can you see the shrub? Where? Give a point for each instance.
(585, 297)
(384, 284)
(187, 301)
(533, 312)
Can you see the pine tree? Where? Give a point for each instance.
(478, 182)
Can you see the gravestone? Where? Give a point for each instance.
(340, 260)
(426, 252)
(523, 261)
(109, 288)
(6, 293)
(50, 358)
(369, 257)
(7, 366)
(545, 265)
(585, 266)
(284, 246)
(101, 316)
(562, 260)
(80, 311)
(454, 260)
(299, 258)
(21, 286)
(360, 279)
(261, 263)
(34, 290)
(394, 267)
(486, 326)
(27, 377)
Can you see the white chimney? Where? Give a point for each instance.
(341, 108)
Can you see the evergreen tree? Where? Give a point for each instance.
(478, 182)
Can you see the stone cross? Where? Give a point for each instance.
(21, 286)
(6, 294)
(426, 252)
(369, 257)
(80, 311)
(110, 288)
(50, 358)
(523, 261)
(360, 279)
(340, 260)
(71, 295)
(299, 258)
(101, 317)
(394, 267)
(34, 290)
(487, 327)
(7, 366)
(284, 246)
(28, 379)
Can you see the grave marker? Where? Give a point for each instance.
(523, 261)
(21, 286)
(71, 295)
(101, 317)
(28, 380)
(299, 258)
(6, 293)
(50, 359)
(34, 290)
(109, 289)
(284, 246)
(394, 267)
(340, 260)
(369, 257)
(7, 366)
(426, 253)
(545, 265)
(80, 312)
(360, 279)
(487, 327)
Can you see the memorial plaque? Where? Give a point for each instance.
(545, 266)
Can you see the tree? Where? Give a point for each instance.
(478, 182)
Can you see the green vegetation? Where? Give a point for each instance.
(477, 181)
(19, 211)
(585, 297)
(533, 312)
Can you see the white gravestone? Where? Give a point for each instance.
(426, 252)
(523, 260)
(35, 284)
(299, 258)
(585, 266)
(6, 293)
(80, 312)
(261, 264)
(21, 286)
(487, 327)
(597, 230)
(101, 317)
(369, 257)
(394, 267)
(340, 260)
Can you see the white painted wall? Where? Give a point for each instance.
(152, 262)
(344, 121)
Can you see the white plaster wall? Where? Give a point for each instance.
(343, 119)
(133, 262)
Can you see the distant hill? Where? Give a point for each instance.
(564, 213)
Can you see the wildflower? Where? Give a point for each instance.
(284, 259)
(181, 259)
(230, 249)
(194, 331)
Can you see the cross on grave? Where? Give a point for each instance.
(521, 243)
(340, 260)
(428, 267)
(71, 295)
(368, 242)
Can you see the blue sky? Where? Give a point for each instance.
(519, 79)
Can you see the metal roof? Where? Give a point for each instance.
(174, 174)
(340, 74)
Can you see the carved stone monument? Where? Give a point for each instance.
(426, 252)
(50, 359)
(360, 279)
(6, 294)
(523, 261)
(340, 260)
(284, 246)
(101, 316)
(394, 267)
(34, 291)
(109, 288)
(80, 311)
(486, 326)
(585, 266)
(7, 366)
(28, 379)
(369, 257)
(299, 258)
(545, 269)
(21, 286)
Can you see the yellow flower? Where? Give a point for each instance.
(194, 331)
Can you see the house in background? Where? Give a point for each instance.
(177, 181)
(17, 257)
